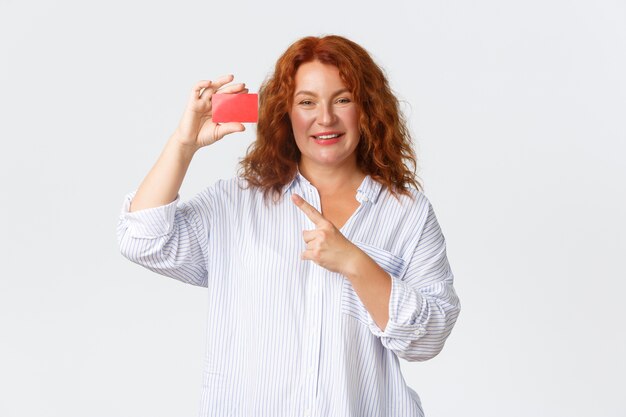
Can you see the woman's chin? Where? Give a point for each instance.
(325, 160)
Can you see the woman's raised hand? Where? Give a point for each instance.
(196, 128)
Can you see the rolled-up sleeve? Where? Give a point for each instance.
(170, 240)
(423, 305)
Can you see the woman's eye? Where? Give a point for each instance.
(306, 102)
(343, 100)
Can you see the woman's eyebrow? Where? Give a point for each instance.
(310, 93)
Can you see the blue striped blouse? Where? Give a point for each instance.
(287, 337)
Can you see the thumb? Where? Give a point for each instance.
(224, 129)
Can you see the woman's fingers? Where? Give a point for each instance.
(221, 81)
(224, 129)
(234, 88)
(206, 88)
(199, 88)
(309, 235)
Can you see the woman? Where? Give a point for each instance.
(315, 294)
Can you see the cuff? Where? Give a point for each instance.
(405, 305)
(148, 223)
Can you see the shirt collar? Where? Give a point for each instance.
(290, 184)
(368, 191)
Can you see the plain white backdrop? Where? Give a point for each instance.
(518, 114)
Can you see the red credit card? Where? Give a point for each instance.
(242, 108)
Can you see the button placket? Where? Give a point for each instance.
(313, 318)
(312, 336)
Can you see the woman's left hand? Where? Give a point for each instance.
(325, 245)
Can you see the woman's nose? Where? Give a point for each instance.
(326, 115)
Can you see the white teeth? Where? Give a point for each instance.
(327, 136)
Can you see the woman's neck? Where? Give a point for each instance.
(330, 180)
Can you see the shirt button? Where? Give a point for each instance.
(311, 369)
(307, 412)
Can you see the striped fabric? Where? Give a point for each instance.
(287, 337)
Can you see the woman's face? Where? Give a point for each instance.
(324, 117)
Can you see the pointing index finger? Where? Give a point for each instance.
(310, 211)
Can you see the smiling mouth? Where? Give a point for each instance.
(328, 137)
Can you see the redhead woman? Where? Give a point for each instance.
(323, 259)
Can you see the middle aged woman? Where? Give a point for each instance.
(314, 295)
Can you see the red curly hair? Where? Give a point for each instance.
(384, 147)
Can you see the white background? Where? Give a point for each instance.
(518, 114)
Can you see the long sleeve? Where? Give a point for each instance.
(170, 240)
(423, 305)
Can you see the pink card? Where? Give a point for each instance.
(242, 108)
